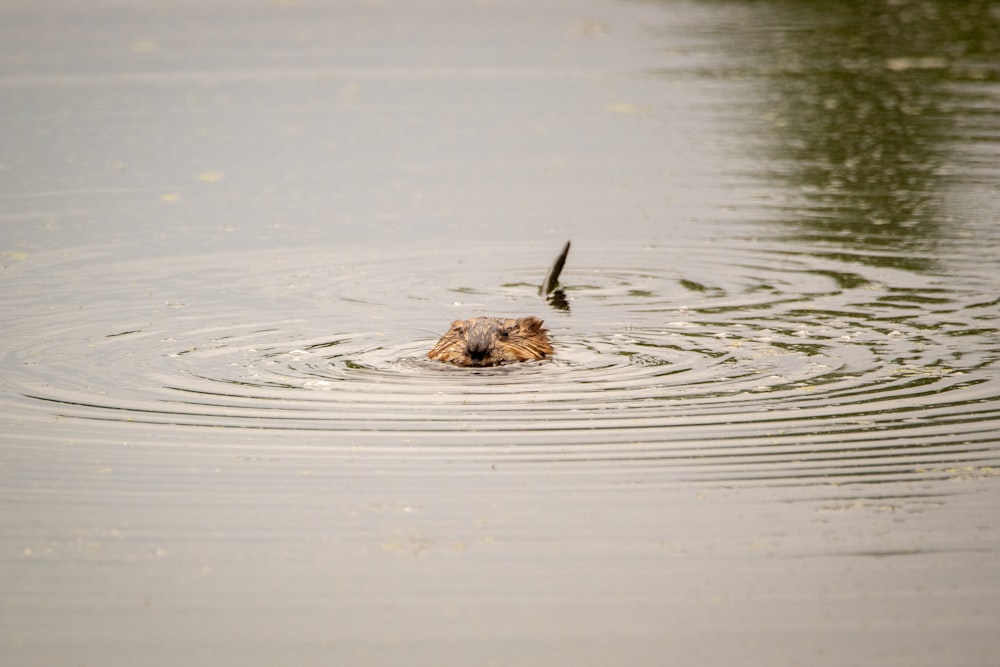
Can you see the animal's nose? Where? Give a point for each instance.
(478, 352)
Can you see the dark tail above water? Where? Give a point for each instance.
(552, 277)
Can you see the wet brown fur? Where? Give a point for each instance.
(491, 341)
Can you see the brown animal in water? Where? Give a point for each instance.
(491, 341)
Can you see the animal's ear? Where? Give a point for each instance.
(530, 325)
(456, 323)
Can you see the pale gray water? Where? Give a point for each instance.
(769, 433)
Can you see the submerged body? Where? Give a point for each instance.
(491, 341)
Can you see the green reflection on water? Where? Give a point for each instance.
(867, 110)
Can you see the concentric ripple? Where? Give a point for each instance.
(713, 363)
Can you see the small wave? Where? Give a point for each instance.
(780, 372)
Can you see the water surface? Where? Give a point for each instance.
(769, 431)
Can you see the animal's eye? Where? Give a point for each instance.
(504, 333)
(457, 329)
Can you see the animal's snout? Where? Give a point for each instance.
(478, 346)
